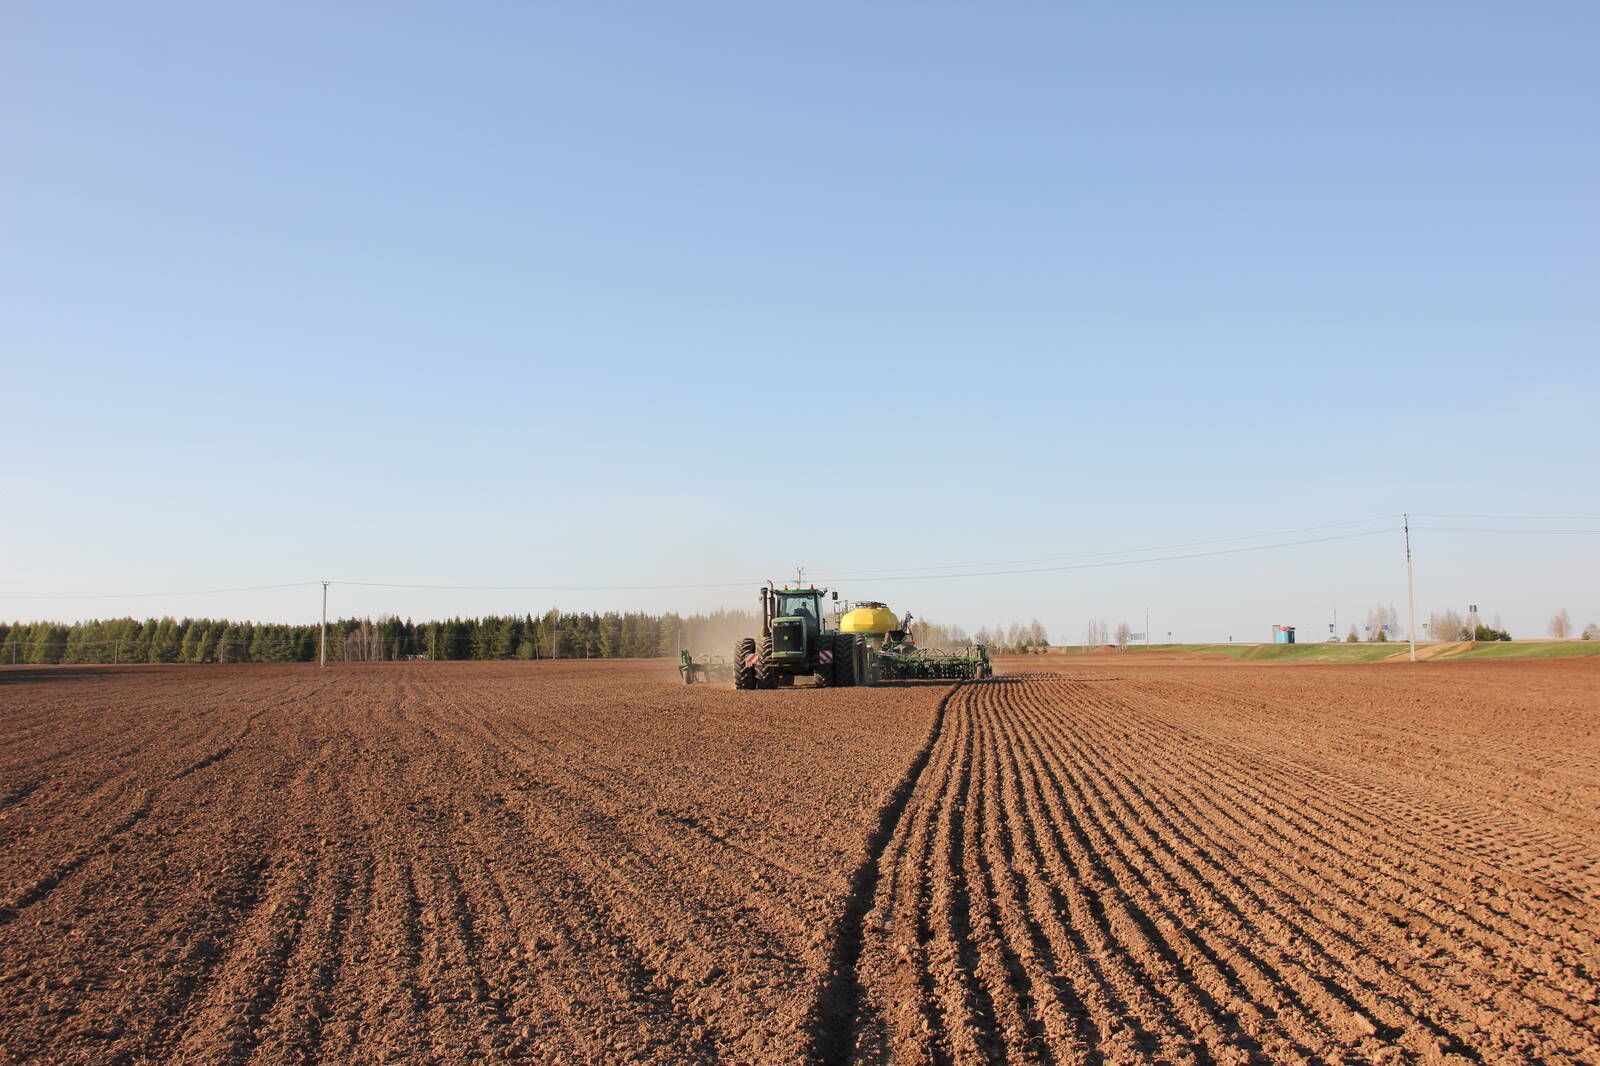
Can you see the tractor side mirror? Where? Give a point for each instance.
(836, 594)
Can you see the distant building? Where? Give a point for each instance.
(1283, 634)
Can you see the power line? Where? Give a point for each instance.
(233, 642)
(546, 588)
(1535, 532)
(912, 576)
(1135, 562)
(946, 571)
(1125, 551)
(148, 595)
(1517, 517)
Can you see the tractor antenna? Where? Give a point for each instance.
(799, 577)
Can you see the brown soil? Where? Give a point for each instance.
(590, 862)
(1324, 864)
(409, 862)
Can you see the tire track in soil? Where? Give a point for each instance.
(20, 791)
(234, 1004)
(46, 883)
(60, 870)
(907, 905)
(832, 1021)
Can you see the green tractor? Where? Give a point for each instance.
(796, 642)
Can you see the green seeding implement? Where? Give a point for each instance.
(898, 662)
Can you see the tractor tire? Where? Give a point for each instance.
(844, 660)
(744, 672)
(766, 676)
(858, 648)
(822, 673)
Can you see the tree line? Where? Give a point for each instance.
(582, 635)
(551, 635)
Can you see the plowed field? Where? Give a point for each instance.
(590, 862)
(409, 862)
(1281, 865)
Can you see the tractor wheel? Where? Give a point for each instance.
(844, 660)
(822, 673)
(744, 671)
(766, 677)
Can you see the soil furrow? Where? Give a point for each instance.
(1124, 860)
(908, 1012)
(1270, 861)
(1249, 917)
(1006, 969)
(832, 1020)
(1275, 816)
(1159, 930)
(1217, 980)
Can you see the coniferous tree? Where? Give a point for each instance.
(187, 648)
(582, 635)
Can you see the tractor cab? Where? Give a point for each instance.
(804, 604)
(794, 622)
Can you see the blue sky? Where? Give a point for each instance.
(680, 294)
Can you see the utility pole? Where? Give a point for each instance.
(324, 625)
(1147, 627)
(1411, 595)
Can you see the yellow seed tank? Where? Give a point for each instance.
(869, 620)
